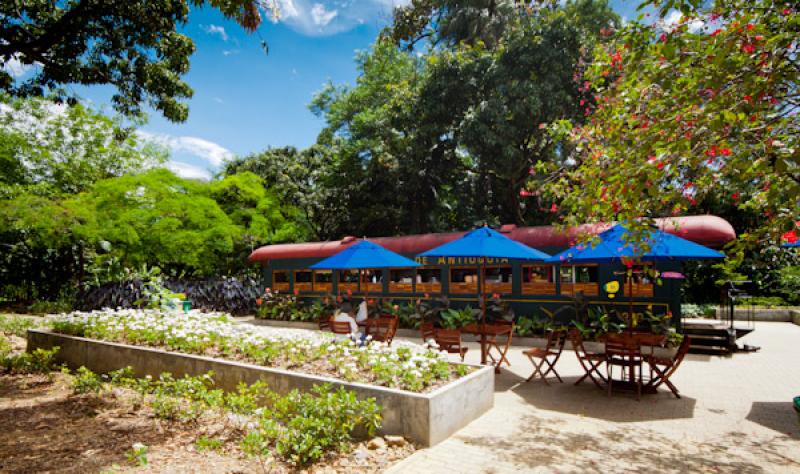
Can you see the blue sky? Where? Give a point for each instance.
(245, 100)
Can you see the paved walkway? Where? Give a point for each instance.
(735, 416)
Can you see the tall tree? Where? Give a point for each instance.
(305, 183)
(685, 112)
(132, 45)
(65, 149)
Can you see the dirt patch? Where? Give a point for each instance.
(45, 428)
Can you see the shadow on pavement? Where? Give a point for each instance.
(588, 400)
(777, 416)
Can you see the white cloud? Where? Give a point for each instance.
(219, 100)
(321, 16)
(185, 170)
(217, 30)
(205, 150)
(15, 67)
(675, 18)
(328, 17)
(229, 52)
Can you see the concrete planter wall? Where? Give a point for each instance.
(795, 313)
(763, 314)
(428, 418)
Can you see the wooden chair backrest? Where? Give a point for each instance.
(623, 345)
(428, 331)
(340, 327)
(448, 338)
(383, 329)
(576, 339)
(324, 322)
(555, 341)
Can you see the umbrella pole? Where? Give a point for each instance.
(483, 309)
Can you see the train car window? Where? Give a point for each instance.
(538, 280)
(303, 280)
(323, 281)
(280, 280)
(641, 281)
(498, 279)
(580, 278)
(401, 280)
(429, 280)
(372, 280)
(463, 280)
(348, 281)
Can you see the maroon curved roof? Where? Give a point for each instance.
(711, 231)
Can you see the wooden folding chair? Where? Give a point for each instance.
(449, 340)
(340, 327)
(501, 351)
(383, 328)
(547, 356)
(324, 323)
(590, 361)
(624, 351)
(662, 368)
(428, 332)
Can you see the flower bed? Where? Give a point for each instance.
(403, 366)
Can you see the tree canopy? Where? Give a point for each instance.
(132, 45)
(684, 112)
(65, 149)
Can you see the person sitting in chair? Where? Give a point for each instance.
(362, 314)
(345, 314)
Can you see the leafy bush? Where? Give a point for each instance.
(204, 443)
(38, 361)
(228, 294)
(5, 347)
(458, 318)
(300, 427)
(304, 426)
(86, 381)
(698, 310)
(790, 284)
(16, 325)
(764, 301)
(51, 307)
(277, 306)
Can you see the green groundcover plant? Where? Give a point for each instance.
(299, 428)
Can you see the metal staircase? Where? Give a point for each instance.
(732, 321)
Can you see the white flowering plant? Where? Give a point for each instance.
(405, 365)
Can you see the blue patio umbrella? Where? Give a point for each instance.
(793, 244)
(613, 247)
(483, 243)
(364, 255)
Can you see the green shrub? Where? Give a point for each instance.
(790, 284)
(137, 455)
(299, 427)
(204, 443)
(86, 381)
(458, 318)
(698, 310)
(51, 307)
(304, 426)
(764, 301)
(38, 361)
(16, 325)
(5, 347)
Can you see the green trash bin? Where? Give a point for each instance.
(797, 406)
(187, 305)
